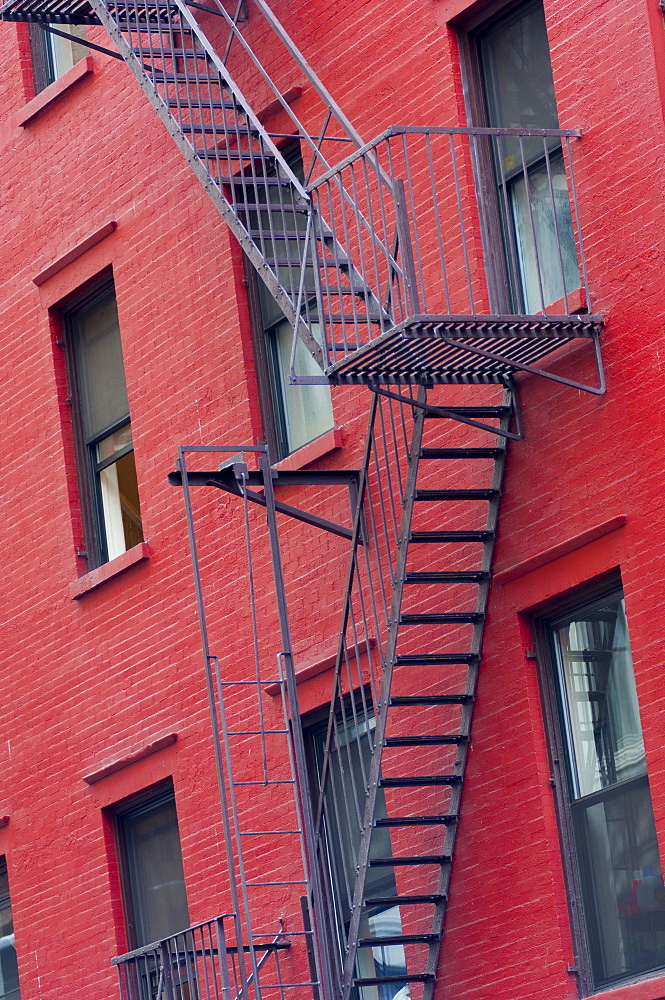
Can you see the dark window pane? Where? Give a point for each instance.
(154, 864)
(99, 366)
(517, 72)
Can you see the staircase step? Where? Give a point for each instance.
(408, 977)
(168, 76)
(378, 942)
(434, 659)
(442, 819)
(231, 154)
(361, 318)
(199, 104)
(447, 576)
(460, 452)
(249, 181)
(406, 700)
(435, 897)
(420, 781)
(456, 494)
(434, 740)
(423, 859)
(442, 618)
(450, 536)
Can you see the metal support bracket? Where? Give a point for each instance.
(79, 41)
(229, 479)
(571, 383)
(454, 414)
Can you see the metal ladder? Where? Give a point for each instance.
(420, 681)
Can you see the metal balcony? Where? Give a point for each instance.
(470, 241)
(198, 962)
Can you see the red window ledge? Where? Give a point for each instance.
(89, 581)
(55, 90)
(648, 989)
(312, 450)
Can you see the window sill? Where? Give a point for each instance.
(647, 989)
(576, 303)
(55, 90)
(93, 579)
(309, 452)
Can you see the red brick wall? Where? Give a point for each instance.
(89, 681)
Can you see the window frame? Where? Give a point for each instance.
(88, 468)
(153, 796)
(44, 69)
(543, 623)
(506, 282)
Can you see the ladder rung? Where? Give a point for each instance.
(357, 318)
(461, 452)
(473, 411)
(448, 576)
(426, 741)
(408, 977)
(442, 819)
(431, 699)
(442, 618)
(418, 780)
(450, 536)
(456, 494)
(434, 659)
(397, 939)
(435, 897)
(423, 859)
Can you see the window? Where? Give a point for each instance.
(107, 471)
(512, 87)
(344, 802)
(53, 55)
(9, 988)
(151, 866)
(292, 415)
(605, 803)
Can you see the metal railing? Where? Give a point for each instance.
(199, 962)
(461, 222)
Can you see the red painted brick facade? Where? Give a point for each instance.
(92, 675)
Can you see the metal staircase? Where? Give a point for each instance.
(393, 761)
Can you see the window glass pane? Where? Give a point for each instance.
(612, 819)
(154, 862)
(9, 986)
(517, 71)
(307, 408)
(622, 883)
(99, 366)
(601, 712)
(544, 234)
(61, 53)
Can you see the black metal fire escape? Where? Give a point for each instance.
(377, 260)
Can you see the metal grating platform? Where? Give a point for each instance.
(75, 11)
(460, 349)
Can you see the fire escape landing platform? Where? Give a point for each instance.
(460, 349)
